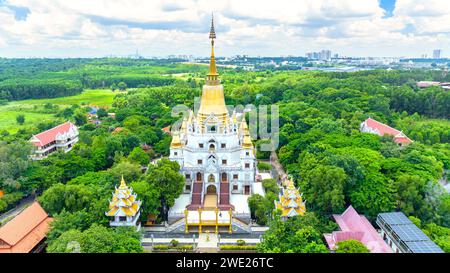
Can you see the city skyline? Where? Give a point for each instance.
(386, 28)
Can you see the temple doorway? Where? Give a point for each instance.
(211, 189)
(210, 197)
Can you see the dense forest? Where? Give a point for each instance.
(333, 164)
(48, 78)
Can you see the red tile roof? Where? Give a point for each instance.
(48, 136)
(25, 231)
(384, 129)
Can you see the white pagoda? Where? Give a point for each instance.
(214, 150)
(124, 207)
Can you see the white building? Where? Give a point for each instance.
(61, 137)
(215, 152)
(124, 207)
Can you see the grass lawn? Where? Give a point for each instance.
(8, 119)
(33, 109)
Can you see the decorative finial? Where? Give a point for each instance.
(123, 185)
(212, 77)
(212, 32)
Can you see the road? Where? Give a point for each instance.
(19, 208)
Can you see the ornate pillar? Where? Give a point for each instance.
(186, 213)
(217, 220)
(199, 220)
(231, 221)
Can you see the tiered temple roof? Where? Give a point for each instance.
(124, 202)
(290, 201)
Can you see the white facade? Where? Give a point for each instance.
(213, 155)
(54, 140)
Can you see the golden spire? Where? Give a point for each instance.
(212, 77)
(123, 185)
(213, 99)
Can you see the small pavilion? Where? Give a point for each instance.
(124, 207)
(290, 201)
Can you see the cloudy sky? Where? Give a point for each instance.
(96, 28)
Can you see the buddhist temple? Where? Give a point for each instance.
(215, 152)
(290, 201)
(124, 207)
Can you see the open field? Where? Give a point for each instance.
(34, 111)
(98, 97)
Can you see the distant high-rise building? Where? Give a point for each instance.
(325, 55)
(436, 54)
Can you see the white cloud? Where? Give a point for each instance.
(254, 27)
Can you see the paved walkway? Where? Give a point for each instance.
(207, 241)
(282, 176)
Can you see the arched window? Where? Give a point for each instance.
(212, 147)
(199, 176)
(211, 178)
(224, 177)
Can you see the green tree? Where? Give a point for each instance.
(97, 239)
(299, 234)
(138, 155)
(101, 113)
(351, 246)
(122, 86)
(165, 177)
(69, 197)
(324, 188)
(150, 196)
(80, 117)
(129, 170)
(20, 119)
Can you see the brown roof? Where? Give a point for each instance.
(25, 231)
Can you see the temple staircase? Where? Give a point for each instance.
(224, 203)
(197, 192)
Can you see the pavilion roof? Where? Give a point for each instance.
(25, 231)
